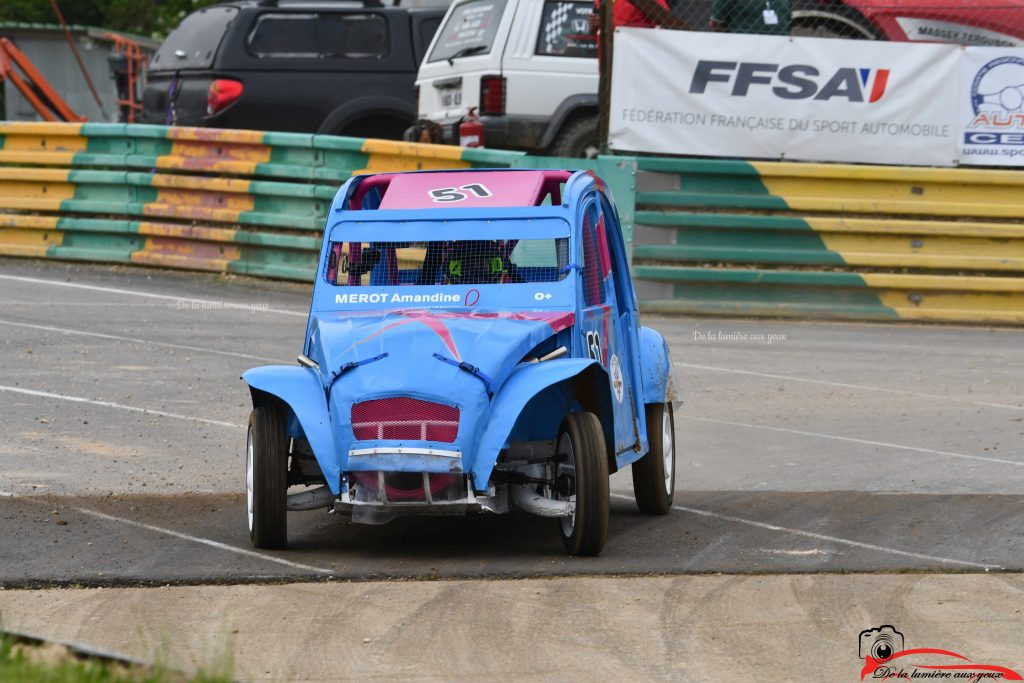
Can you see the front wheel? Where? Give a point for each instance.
(266, 478)
(654, 475)
(581, 474)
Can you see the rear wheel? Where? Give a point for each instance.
(266, 478)
(654, 475)
(581, 475)
(578, 139)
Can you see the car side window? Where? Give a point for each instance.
(565, 30)
(593, 270)
(284, 35)
(354, 36)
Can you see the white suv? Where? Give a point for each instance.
(529, 67)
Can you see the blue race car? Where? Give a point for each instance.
(473, 345)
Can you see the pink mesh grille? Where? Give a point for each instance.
(405, 418)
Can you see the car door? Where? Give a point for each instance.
(605, 323)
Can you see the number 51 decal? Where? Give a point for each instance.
(453, 194)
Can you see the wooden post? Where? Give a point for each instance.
(604, 65)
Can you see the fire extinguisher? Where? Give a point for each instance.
(471, 131)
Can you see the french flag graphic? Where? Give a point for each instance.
(881, 81)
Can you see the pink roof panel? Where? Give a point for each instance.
(491, 189)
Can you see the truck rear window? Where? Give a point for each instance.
(565, 30)
(469, 30)
(193, 45)
(326, 35)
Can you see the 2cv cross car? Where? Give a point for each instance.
(473, 345)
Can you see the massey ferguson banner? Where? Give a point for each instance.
(775, 97)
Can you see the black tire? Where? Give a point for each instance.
(653, 487)
(833, 20)
(267, 446)
(584, 469)
(577, 139)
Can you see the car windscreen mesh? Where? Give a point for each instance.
(455, 262)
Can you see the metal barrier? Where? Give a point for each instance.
(821, 240)
(711, 236)
(227, 201)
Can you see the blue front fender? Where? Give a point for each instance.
(521, 386)
(301, 390)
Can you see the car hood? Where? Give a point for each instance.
(395, 350)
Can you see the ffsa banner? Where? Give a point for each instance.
(776, 97)
(992, 107)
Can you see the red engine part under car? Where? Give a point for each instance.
(395, 488)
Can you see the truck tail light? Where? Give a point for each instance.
(492, 96)
(222, 93)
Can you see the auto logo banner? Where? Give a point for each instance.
(776, 97)
(991, 131)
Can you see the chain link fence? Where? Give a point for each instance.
(997, 23)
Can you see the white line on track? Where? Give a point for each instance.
(149, 295)
(80, 304)
(824, 537)
(204, 541)
(185, 347)
(119, 406)
(849, 439)
(844, 385)
(183, 536)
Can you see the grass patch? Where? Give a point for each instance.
(25, 660)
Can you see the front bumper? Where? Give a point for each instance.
(373, 497)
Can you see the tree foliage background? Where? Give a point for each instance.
(154, 18)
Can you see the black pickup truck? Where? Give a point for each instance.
(341, 68)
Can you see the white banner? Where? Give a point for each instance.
(775, 97)
(991, 130)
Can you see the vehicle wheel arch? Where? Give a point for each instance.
(369, 108)
(655, 367)
(299, 394)
(578, 383)
(572, 108)
(590, 390)
(850, 23)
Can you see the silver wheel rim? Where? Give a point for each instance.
(248, 476)
(668, 447)
(567, 466)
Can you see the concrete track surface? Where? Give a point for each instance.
(805, 451)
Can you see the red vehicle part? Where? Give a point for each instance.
(975, 22)
(222, 93)
(471, 131)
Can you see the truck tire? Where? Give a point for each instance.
(266, 478)
(577, 139)
(815, 19)
(583, 469)
(654, 475)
